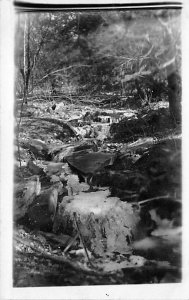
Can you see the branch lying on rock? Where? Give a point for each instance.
(58, 259)
(81, 238)
(157, 198)
(64, 125)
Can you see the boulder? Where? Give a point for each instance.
(37, 147)
(59, 153)
(87, 164)
(55, 168)
(34, 169)
(42, 211)
(24, 194)
(161, 165)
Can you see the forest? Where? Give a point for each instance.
(97, 147)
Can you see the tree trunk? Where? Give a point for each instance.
(139, 90)
(173, 77)
(174, 97)
(106, 224)
(27, 65)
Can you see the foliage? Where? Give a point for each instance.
(97, 49)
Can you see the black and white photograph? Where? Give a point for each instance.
(97, 164)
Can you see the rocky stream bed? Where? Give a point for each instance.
(97, 197)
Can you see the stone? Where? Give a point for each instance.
(24, 194)
(43, 209)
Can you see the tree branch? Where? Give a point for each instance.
(142, 73)
(64, 69)
(58, 259)
(165, 25)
